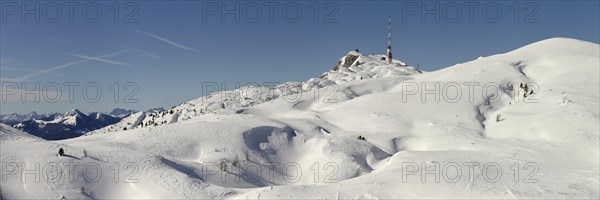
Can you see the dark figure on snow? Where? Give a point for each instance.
(61, 152)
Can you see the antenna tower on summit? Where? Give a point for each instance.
(388, 56)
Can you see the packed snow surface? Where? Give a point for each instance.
(522, 124)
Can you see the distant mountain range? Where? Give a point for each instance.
(57, 126)
(15, 118)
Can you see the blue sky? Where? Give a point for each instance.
(163, 51)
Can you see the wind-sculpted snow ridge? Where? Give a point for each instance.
(522, 124)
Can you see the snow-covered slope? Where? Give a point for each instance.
(482, 136)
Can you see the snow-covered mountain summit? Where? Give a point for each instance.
(356, 66)
(361, 67)
(521, 124)
(74, 113)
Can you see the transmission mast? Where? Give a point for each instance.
(389, 47)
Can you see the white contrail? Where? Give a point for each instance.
(10, 80)
(168, 41)
(147, 53)
(26, 70)
(25, 77)
(99, 59)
